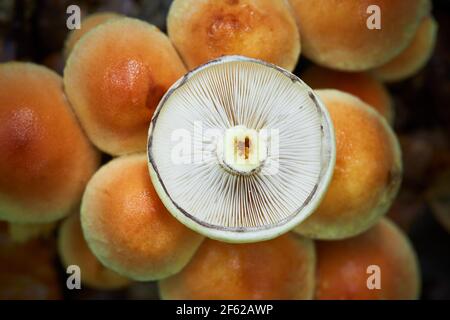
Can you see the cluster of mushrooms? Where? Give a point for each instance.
(220, 228)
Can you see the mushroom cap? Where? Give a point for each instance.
(225, 94)
(127, 227)
(281, 268)
(335, 34)
(115, 77)
(87, 24)
(414, 57)
(367, 173)
(46, 158)
(342, 266)
(73, 250)
(361, 84)
(203, 30)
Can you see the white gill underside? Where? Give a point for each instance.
(257, 97)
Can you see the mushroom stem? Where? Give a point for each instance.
(242, 150)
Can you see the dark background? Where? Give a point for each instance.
(36, 30)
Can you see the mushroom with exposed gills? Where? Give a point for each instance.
(281, 268)
(367, 174)
(241, 150)
(114, 79)
(87, 24)
(361, 84)
(127, 227)
(203, 30)
(46, 159)
(345, 35)
(414, 57)
(379, 264)
(73, 250)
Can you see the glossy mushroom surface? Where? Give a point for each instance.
(203, 30)
(46, 157)
(114, 79)
(414, 57)
(128, 228)
(87, 24)
(282, 268)
(367, 174)
(379, 264)
(73, 250)
(338, 33)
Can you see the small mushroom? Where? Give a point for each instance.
(114, 79)
(379, 264)
(281, 268)
(208, 29)
(256, 155)
(46, 160)
(87, 24)
(127, 227)
(73, 250)
(361, 84)
(367, 175)
(335, 33)
(414, 57)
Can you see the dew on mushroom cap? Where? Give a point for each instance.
(87, 24)
(335, 33)
(127, 227)
(360, 84)
(115, 77)
(46, 158)
(208, 29)
(207, 183)
(414, 57)
(342, 266)
(73, 250)
(367, 174)
(281, 268)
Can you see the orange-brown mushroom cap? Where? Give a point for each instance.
(360, 84)
(128, 228)
(335, 33)
(73, 250)
(202, 30)
(87, 24)
(282, 268)
(367, 173)
(115, 77)
(347, 268)
(414, 57)
(46, 160)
